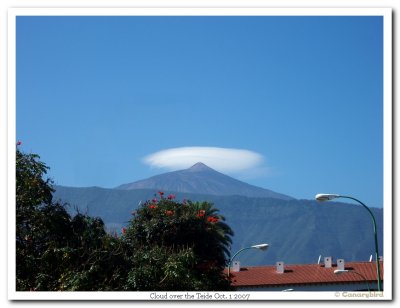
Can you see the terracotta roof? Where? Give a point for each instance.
(257, 276)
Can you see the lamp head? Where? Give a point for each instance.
(326, 197)
(339, 272)
(261, 246)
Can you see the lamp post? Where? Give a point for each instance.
(259, 246)
(327, 197)
(339, 272)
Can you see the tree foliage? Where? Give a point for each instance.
(182, 245)
(38, 222)
(55, 251)
(97, 260)
(167, 245)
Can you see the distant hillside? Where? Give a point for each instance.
(298, 231)
(201, 179)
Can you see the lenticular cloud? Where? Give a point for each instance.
(221, 159)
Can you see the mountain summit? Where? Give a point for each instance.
(200, 167)
(201, 179)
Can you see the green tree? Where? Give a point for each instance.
(53, 250)
(168, 245)
(177, 246)
(97, 260)
(40, 225)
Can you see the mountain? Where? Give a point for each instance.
(201, 179)
(298, 231)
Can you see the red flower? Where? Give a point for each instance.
(201, 213)
(212, 219)
(153, 206)
(161, 193)
(170, 197)
(123, 230)
(169, 213)
(19, 142)
(154, 200)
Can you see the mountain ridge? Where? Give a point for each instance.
(201, 179)
(298, 231)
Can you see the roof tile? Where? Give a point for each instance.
(303, 274)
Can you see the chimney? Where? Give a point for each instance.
(235, 266)
(340, 264)
(328, 262)
(280, 267)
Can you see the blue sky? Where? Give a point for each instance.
(96, 95)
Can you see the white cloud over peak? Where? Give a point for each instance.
(225, 160)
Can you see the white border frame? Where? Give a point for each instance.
(386, 13)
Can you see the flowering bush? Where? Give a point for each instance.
(186, 228)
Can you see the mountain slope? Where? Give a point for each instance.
(298, 231)
(201, 179)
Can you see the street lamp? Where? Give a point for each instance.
(339, 272)
(259, 246)
(327, 197)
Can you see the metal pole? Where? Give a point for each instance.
(378, 268)
(230, 261)
(362, 276)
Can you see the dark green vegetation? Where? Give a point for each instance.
(166, 245)
(185, 245)
(298, 231)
